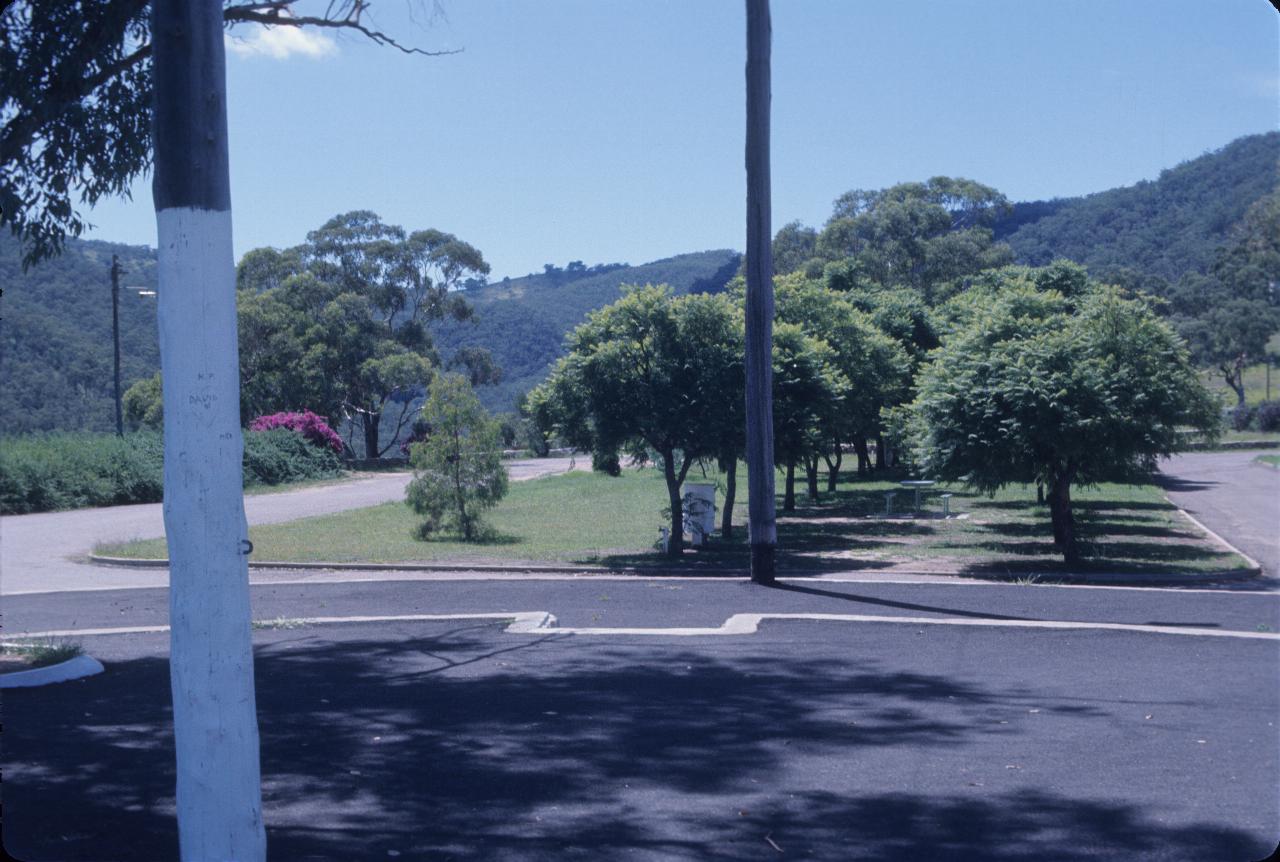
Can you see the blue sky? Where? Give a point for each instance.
(604, 130)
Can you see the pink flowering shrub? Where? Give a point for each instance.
(306, 423)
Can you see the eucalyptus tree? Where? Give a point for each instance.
(339, 324)
(917, 235)
(219, 798)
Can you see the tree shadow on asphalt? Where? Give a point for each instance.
(443, 747)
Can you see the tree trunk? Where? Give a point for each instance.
(864, 459)
(833, 469)
(675, 544)
(882, 453)
(730, 492)
(789, 489)
(219, 796)
(1040, 493)
(1233, 374)
(1064, 527)
(759, 301)
(811, 477)
(370, 422)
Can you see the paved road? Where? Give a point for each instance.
(1233, 495)
(882, 741)
(47, 550)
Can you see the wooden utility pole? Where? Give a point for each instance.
(115, 337)
(219, 796)
(759, 308)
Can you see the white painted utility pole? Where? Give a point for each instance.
(219, 796)
(763, 529)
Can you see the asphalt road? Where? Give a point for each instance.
(1232, 494)
(48, 550)
(808, 740)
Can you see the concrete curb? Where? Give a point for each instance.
(1134, 578)
(75, 668)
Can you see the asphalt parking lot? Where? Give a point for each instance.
(809, 740)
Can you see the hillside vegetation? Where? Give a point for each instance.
(55, 337)
(1165, 227)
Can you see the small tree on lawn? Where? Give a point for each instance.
(650, 373)
(1033, 387)
(457, 469)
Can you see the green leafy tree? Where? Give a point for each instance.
(917, 235)
(1229, 315)
(649, 373)
(457, 469)
(875, 366)
(794, 245)
(143, 405)
(1031, 387)
(478, 364)
(808, 397)
(339, 325)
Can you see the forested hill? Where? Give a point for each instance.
(523, 321)
(55, 335)
(1165, 227)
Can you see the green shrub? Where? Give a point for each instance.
(281, 455)
(73, 470)
(42, 472)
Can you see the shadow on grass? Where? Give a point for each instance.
(446, 748)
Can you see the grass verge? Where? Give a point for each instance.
(26, 656)
(590, 518)
(1269, 460)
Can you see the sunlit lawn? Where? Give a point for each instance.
(590, 518)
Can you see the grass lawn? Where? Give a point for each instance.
(1269, 460)
(590, 518)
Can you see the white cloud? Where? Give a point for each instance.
(281, 43)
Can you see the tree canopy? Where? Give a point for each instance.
(1030, 385)
(338, 325)
(649, 374)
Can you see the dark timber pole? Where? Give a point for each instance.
(219, 796)
(115, 337)
(759, 358)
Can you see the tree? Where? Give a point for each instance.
(648, 374)
(478, 362)
(808, 391)
(457, 469)
(143, 404)
(917, 235)
(759, 304)
(338, 325)
(76, 88)
(219, 797)
(1032, 387)
(875, 366)
(1229, 315)
(793, 246)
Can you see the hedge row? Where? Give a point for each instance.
(46, 472)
